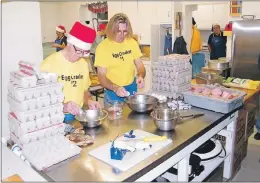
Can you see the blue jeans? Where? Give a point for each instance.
(110, 97)
(257, 124)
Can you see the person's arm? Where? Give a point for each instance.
(140, 68)
(104, 81)
(209, 43)
(87, 97)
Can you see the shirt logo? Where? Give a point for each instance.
(121, 54)
(72, 78)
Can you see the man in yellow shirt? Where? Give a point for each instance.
(73, 71)
(116, 59)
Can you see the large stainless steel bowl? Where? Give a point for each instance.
(92, 118)
(165, 119)
(141, 102)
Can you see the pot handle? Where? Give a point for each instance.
(191, 115)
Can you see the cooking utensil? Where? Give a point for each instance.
(218, 64)
(92, 118)
(141, 102)
(166, 119)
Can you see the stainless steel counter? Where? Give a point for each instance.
(87, 168)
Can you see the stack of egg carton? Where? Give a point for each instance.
(36, 107)
(171, 75)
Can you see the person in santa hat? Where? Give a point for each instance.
(61, 40)
(73, 71)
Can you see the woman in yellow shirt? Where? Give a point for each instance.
(116, 60)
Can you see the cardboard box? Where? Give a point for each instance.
(244, 149)
(236, 162)
(241, 121)
(250, 119)
(239, 137)
(13, 178)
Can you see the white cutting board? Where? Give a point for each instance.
(131, 158)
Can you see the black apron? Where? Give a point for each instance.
(218, 47)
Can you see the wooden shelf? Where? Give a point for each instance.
(236, 6)
(235, 14)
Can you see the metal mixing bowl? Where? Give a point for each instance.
(141, 102)
(92, 118)
(165, 119)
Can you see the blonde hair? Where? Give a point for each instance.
(113, 26)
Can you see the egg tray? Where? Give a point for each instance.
(213, 103)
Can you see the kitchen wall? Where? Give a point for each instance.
(21, 40)
(56, 13)
(49, 20)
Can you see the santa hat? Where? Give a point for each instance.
(61, 29)
(81, 36)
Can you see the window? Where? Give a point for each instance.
(235, 8)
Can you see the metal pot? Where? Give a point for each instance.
(141, 103)
(218, 64)
(92, 118)
(167, 119)
(208, 78)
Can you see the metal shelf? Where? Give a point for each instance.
(209, 167)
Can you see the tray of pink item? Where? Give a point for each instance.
(214, 97)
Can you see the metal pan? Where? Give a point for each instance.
(92, 118)
(218, 64)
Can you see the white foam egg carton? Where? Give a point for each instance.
(26, 116)
(49, 77)
(21, 105)
(54, 99)
(43, 90)
(19, 128)
(22, 79)
(44, 153)
(32, 69)
(27, 138)
(35, 103)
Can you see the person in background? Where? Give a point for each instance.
(196, 41)
(257, 125)
(72, 70)
(217, 43)
(198, 58)
(101, 35)
(116, 59)
(61, 40)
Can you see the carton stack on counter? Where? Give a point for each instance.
(36, 116)
(171, 75)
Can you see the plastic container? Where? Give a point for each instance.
(214, 104)
(114, 109)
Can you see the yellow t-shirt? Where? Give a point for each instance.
(118, 59)
(74, 76)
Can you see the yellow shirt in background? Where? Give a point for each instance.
(118, 59)
(74, 76)
(196, 41)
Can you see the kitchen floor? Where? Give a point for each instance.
(250, 167)
(47, 49)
